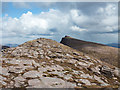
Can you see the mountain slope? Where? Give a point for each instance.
(44, 63)
(100, 51)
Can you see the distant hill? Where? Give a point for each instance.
(99, 51)
(3, 47)
(11, 45)
(117, 45)
(7, 46)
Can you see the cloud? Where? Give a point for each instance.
(75, 28)
(96, 25)
(78, 17)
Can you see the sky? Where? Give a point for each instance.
(89, 21)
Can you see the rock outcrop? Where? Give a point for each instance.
(104, 53)
(44, 63)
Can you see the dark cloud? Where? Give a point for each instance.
(110, 32)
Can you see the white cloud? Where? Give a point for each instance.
(76, 28)
(54, 24)
(109, 17)
(78, 17)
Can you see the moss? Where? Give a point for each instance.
(53, 70)
(68, 69)
(51, 75)
(60, 77)
(71, 80)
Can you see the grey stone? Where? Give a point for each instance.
(85, 81)
(31, 74)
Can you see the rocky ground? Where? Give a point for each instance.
(44, 63)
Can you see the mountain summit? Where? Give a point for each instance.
(102, 52)
(44, 63)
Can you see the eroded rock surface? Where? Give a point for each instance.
(44, 63)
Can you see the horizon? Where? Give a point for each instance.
(88, 21)
(15, 44)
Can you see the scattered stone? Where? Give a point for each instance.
(31, 74)
(83, 64)
(117, 72)
(15, 69)
(5, 72)
(86, 76)
(106, 71)
(87, 57)
(19, 79)
(35, 83)
(85, 81)
(101, 81)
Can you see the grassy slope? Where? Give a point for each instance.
(100, 51)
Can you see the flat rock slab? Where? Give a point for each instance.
(31, 74)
